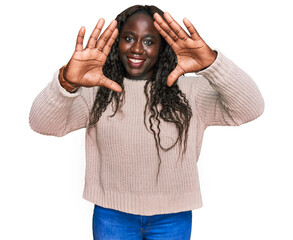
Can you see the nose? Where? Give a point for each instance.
(137, 48)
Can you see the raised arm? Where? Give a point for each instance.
(85, 67)
(193, 54)
(57, 110)
(230, 96)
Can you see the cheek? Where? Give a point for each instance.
(154, 54)
(158, 48)
(155, 50)
(122, 46)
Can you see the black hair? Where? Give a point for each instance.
(163, 103)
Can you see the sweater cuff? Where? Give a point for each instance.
(223, 72)
(56, 86)
(215, 66)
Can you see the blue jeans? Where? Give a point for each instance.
(110, 224)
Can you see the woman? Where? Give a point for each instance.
(145, 121)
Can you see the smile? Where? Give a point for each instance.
(135, 60)
(136, 63)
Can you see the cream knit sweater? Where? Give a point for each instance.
(121, 156)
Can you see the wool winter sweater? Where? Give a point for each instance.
(121, 156)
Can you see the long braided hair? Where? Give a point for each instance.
(163, 103)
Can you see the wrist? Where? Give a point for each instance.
(69, 87)
(210, 60)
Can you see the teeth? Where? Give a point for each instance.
(135, 60)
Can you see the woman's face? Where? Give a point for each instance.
(139, 46)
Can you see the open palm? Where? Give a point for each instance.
(85, 67)
(193, 54)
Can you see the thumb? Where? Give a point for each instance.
(106, 82)
(174, 75)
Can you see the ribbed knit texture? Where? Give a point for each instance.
(121, 156)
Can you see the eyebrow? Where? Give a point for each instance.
(132, 33)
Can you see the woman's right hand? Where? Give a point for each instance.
(85, 67)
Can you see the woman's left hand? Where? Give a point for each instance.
(193, 54)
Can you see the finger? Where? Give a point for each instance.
(165, 35)
(177, 29)
(110, 42)
(165, 27)
(106, 35)
(191, 29)
(95, 34)
(79, 40)
(106, 82)
(174, 75)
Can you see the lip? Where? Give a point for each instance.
(135, 62)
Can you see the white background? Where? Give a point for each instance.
(246, 173)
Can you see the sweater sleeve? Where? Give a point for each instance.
(229, 97)
(57, 112)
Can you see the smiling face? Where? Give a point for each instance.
(139, 46)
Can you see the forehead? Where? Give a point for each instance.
(140, 23)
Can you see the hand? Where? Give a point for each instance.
(193, 54)
(85, 66)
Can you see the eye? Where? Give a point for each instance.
(148, 42)
(129, 38)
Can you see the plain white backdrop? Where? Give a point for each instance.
(246, 172)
